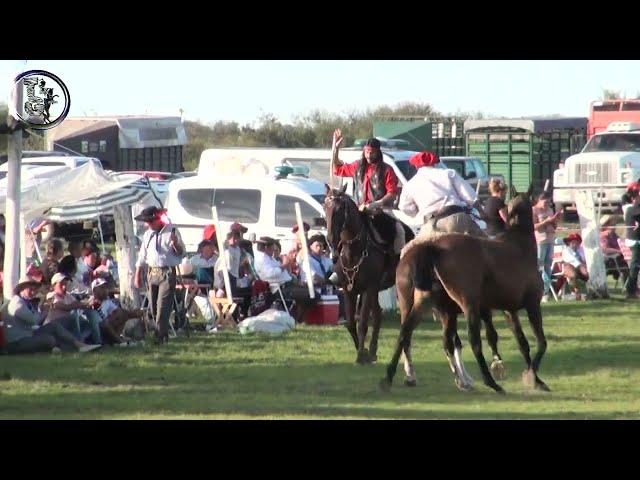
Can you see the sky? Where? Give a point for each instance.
(243, 90)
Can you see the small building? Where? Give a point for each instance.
(124, 143)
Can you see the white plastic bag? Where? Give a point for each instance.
(270, 321)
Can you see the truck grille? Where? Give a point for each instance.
(605, 172)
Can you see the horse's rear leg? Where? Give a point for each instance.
(535, 319)
(473, 321)
(452, 347)
(376, 313)
(410, 317)
(497, 366)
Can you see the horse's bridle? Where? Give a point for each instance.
(351, 272)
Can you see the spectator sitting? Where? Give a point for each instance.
(295, 253)
(92, 268)
(232, 254)
(267, 268)
(209, 234)
(204, 261)
(53, 254)
(574, 264)
(23, 330)
(320, 264)
(614, 259)
(69, 268)
(245, 245)
(113, 318)
(61, 306)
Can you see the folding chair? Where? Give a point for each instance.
(275, 287)
(617, 269)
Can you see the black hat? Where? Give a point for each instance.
(318, 238)
(266, 241)
(149, 214)
(373, 142)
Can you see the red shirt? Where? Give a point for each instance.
(349, 169)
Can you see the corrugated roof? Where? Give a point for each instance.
(532, 124)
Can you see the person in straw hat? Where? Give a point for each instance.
(24, 333)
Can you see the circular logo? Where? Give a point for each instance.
(40, 99)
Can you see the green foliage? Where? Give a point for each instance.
(311, 130)
(591, 366)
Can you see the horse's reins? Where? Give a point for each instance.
(351, 272)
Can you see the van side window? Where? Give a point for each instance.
(234, 205)
(286, 211)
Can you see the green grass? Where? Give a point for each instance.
(592, 366)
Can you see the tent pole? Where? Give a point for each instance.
(100, 228)
(12, 213)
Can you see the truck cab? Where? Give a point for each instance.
(607, 164)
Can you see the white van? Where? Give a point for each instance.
(262, 203)
(317, 160)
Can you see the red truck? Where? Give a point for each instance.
(603, 112)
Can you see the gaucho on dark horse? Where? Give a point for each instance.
(366, 241)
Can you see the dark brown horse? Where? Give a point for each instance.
(363, 265)
(478, 275)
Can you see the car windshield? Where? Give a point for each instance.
(480, 170)
(614, 142)
(406, 168)
(319, 198)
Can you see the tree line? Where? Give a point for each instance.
(311, 130)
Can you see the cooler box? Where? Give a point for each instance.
(325, 312)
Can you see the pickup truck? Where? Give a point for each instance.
(473, 171)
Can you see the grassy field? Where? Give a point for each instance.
(592, 366)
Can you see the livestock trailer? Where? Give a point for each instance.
(525, 150)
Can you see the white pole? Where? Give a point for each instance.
(546, 185)
(305, 252)
(100, 226)
(23, 251)
(223, 258)
(12, 215)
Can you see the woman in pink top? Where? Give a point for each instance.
(545, 224)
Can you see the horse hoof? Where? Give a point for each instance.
(410, 382)
(373, 358)
(462, 386)
(498, 389)
(529, 378)
(540, 385)
(385, 385)
(498, 371)
(363, 358)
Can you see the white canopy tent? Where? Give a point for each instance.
(77, 194)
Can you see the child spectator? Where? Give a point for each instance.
(113, 317)
(574, 263)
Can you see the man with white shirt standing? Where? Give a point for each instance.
(161, 252)
(441, 197)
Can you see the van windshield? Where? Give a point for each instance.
(406, 168)
(614, 142)
(319, 198)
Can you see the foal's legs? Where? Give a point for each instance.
(473, 321)
(410, 311)
(535, 319)
(497, 367)
(376, 313)
(452, 348)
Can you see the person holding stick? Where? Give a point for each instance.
(161, 252)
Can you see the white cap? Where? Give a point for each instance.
(98, 282)
(58, 277)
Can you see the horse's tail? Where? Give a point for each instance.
(423, 271)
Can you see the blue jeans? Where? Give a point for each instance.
(92, 323)
(545, 260)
